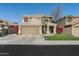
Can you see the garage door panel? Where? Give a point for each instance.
(30, 30)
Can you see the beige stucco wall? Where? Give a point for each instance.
(19, 29)
(75, 30)
(32, 21)
(75, 20)
(35, 20)
(68, 30)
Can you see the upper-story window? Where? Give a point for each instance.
(46, 20)
(69, 19)
(25, 19)
(37, 18)
(1, 21)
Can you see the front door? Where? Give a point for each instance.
(51, 29)
(44, 29)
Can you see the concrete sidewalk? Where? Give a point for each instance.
(55, 42)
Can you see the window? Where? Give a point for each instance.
(1, 21)
(37, 18)
(69, 19)
(25, 19)
(46, 20)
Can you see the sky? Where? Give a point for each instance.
(14, 11)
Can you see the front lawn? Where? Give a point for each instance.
(61, 37)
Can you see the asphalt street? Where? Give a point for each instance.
(39, 50)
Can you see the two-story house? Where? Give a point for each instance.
(37, 24)
(68, 25)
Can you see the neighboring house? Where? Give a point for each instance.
(68, 25)
(9, 26)
(12, 28)
(3, 24)
(37, 24)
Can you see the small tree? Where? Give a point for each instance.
(56, 13)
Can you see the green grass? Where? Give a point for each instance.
(61, 37)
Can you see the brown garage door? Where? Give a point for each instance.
(33, 30)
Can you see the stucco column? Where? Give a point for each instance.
(19, 30)
(54, 30)
(40, 29)
(48, 29)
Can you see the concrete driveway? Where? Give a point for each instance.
(20, 39)
(23, 39)
(34, 40)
